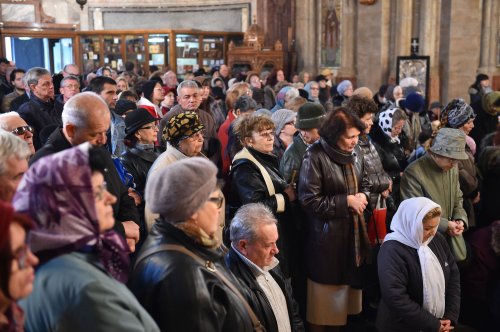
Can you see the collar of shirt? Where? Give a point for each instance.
(256, 270)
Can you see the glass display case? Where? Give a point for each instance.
(213, 52)
(112, 53)
(187, 51)
(91, 49)
(158, 47)
(179, 50)
(135, 51)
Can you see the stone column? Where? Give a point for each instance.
(307, 28)
(463, 47)
(489, 51)
(348, 38)
(429, 37)
(402, 31)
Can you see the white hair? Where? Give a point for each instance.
(11, 146)
(79, 108)
(247, 220)
(291, 93)
(186, 84)
(4, 117)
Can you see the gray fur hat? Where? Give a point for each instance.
(450, 143)
(180, 189)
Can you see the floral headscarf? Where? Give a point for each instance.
(57, 193)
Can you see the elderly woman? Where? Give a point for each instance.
(79, 285)
(419, 279)
(312, 88)
(459, 115)
(16, 267)
(177, 277)
(332, 191)
(386, 139)
(284, 121)
(255, 175)
(345, 91)
(184, 136)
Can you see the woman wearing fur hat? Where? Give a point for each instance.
(181, 293)
(459, 115)
(17, 264)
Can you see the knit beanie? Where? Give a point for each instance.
(147, 89)
(342, 86)
(281, 117)
(179, 190)
(310, 115)
(414, 102)
(457, 113)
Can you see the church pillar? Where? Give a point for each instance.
(429, 37)
(348, 39)
(306, 30)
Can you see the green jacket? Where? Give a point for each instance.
(292, 159)
(424, 178)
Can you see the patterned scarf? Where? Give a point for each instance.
(361, 241)
(57, 194)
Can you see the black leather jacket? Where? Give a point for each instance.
(377, 177)
(182, 295)
(138, 162)
(257, 298)
(39, 114)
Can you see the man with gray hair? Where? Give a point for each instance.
(13, 123)
(253, 234)
(69, 87)
(86, 118)
(189, 98)
(14, 153)
(38, 112)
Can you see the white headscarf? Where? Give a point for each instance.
(408, 229)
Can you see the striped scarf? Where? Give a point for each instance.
(361, 242)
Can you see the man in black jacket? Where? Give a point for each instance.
(251, 258)
(86, 118)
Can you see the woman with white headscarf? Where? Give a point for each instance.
(419, 279)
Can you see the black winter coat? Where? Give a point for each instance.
(248, 186)
(124, 209)
(401, 287)
(39, 114)
(182, 295)
(379, 180)
(329, 248)
(392, 156)
(257, 298)
(138, 162)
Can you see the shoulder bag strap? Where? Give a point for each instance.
(210, 266)
(245, 154)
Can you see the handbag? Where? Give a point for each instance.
(210, 266)
(377, 229)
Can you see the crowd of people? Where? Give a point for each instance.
(245, 202)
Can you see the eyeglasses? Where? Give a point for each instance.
(292, 123)
(217, 201)
(314, 88)
(197, 135)
(22, 130)
(150, 127)
(21, 256)
(267, 134)
(101, 189)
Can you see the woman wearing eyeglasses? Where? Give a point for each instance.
(255, 177)
(16, 267)
(181, 293)
(79, 285)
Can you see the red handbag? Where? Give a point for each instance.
(377, 229)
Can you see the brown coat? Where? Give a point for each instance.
(322, 192)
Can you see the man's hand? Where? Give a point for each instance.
(131, 233)
(445, 325)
